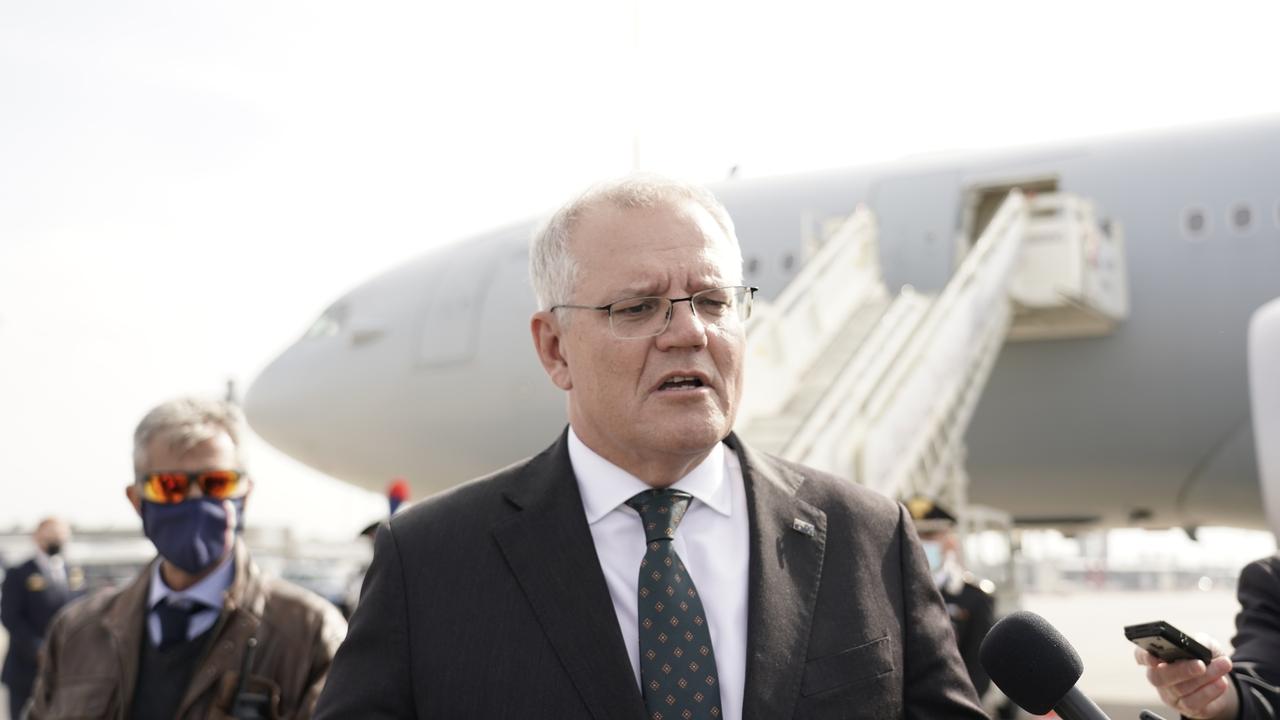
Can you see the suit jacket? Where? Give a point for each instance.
(1257, 641)
(488, 601)
(28, 601)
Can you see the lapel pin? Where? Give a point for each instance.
(804, 528)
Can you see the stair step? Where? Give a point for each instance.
(772, 433)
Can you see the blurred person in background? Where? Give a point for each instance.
(969, 599)
(200, 632)
(32, 594)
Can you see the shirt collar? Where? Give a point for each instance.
(209, 591)
(45, 561)
(605, 486)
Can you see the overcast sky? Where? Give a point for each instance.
(184, 186)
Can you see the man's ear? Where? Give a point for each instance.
(547, 342)
(131, 492)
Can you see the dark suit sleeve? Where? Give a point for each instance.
(935, 683)
(371, 674)
(24, 636)
(1257, 640)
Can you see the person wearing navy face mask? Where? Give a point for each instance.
(200, 632)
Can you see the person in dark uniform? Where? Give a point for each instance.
(32, 594)
(968, 598)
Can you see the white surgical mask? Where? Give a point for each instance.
(933, 551)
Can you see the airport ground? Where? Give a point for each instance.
(1093, 621)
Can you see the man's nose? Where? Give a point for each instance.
(684, 327)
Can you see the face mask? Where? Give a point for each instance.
(933, 551)
(53, 549)
(192, 534)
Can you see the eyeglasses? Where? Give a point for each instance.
(643, 317)
(173, 486)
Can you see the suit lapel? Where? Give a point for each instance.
(785, 570)
(550, 551)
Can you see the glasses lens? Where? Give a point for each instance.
(219, 484)
(717, 304)
(720, 305)
(638, 317)
(165, 488)
(745, 296)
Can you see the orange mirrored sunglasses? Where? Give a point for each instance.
(173, 486)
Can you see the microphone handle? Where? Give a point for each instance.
(1076, 706)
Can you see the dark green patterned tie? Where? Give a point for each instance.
(677, 664)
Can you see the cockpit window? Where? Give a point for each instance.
(329, 323)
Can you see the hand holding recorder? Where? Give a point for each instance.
(1190, 676)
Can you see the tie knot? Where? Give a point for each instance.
(175, 619)
(660, 511)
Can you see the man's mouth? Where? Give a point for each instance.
(681, 382)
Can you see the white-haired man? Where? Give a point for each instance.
(201, 632)
(648, 564)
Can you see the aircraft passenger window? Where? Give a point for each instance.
(788, 261)
(1196, 223)
(1242, 217)
(753, 264)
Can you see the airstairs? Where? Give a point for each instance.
(881, 390)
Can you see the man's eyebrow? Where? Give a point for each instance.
(650, 289)
(639, 290)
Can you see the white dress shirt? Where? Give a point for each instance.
(712, 539)
(210, 591)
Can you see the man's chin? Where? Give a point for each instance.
(693, 437)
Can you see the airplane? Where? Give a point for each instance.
(427, 372)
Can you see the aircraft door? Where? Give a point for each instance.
(918, 217)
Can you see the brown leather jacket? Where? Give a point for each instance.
(89, 664)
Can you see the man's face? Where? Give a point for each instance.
(620, 401)
(218, 453)
(53, 534)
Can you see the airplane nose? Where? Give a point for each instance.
(280, 402)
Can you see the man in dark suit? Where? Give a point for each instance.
(1244, 686)
(648, 564)
(32, 594)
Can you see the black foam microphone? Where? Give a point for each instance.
(1030, 661)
